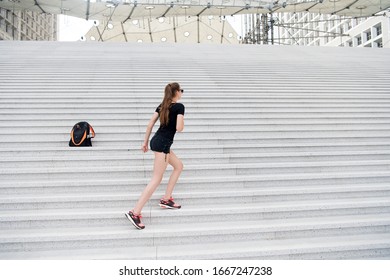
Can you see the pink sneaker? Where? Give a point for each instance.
(169, 204)
(135, 220)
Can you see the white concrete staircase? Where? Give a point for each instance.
(286, 152)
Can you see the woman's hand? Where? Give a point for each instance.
(144, 147)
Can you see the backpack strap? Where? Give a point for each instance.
(91, 132)
(82, 140)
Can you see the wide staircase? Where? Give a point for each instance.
(286, 152)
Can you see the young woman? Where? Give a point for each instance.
(171, 115)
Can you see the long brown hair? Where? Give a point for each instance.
(169, 94)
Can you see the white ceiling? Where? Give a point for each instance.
(181, 29)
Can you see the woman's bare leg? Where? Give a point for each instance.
(160, 165)
(177, 165)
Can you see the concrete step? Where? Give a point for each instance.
(225, 87)
(260, 88)
(191, 136)
(215, 128)
(135, 170)
(237, 182)
(153, 214)
(78, 115)
(184, 149)
(174, 234)
(134, 144)
(364, 246)
(206, 105)
(127, 158)
(202, 110)
(195, 74)
(194, 100)
(217, 75)
(218, 195)
(121, 121)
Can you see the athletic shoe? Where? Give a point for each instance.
(169, 204)
(135, 220)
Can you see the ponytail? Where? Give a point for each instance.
(169, 94)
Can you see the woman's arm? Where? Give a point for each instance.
(180, 123)
(149, 131)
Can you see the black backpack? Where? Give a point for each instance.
(81, 135)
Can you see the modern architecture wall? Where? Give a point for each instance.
(27, 26)
(310, 29)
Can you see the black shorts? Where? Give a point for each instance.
(160, 144)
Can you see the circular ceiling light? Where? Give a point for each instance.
(149, 7)
(163, 39)
(209, 37)
(135, 22)
(161, 20)
(186, 34)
